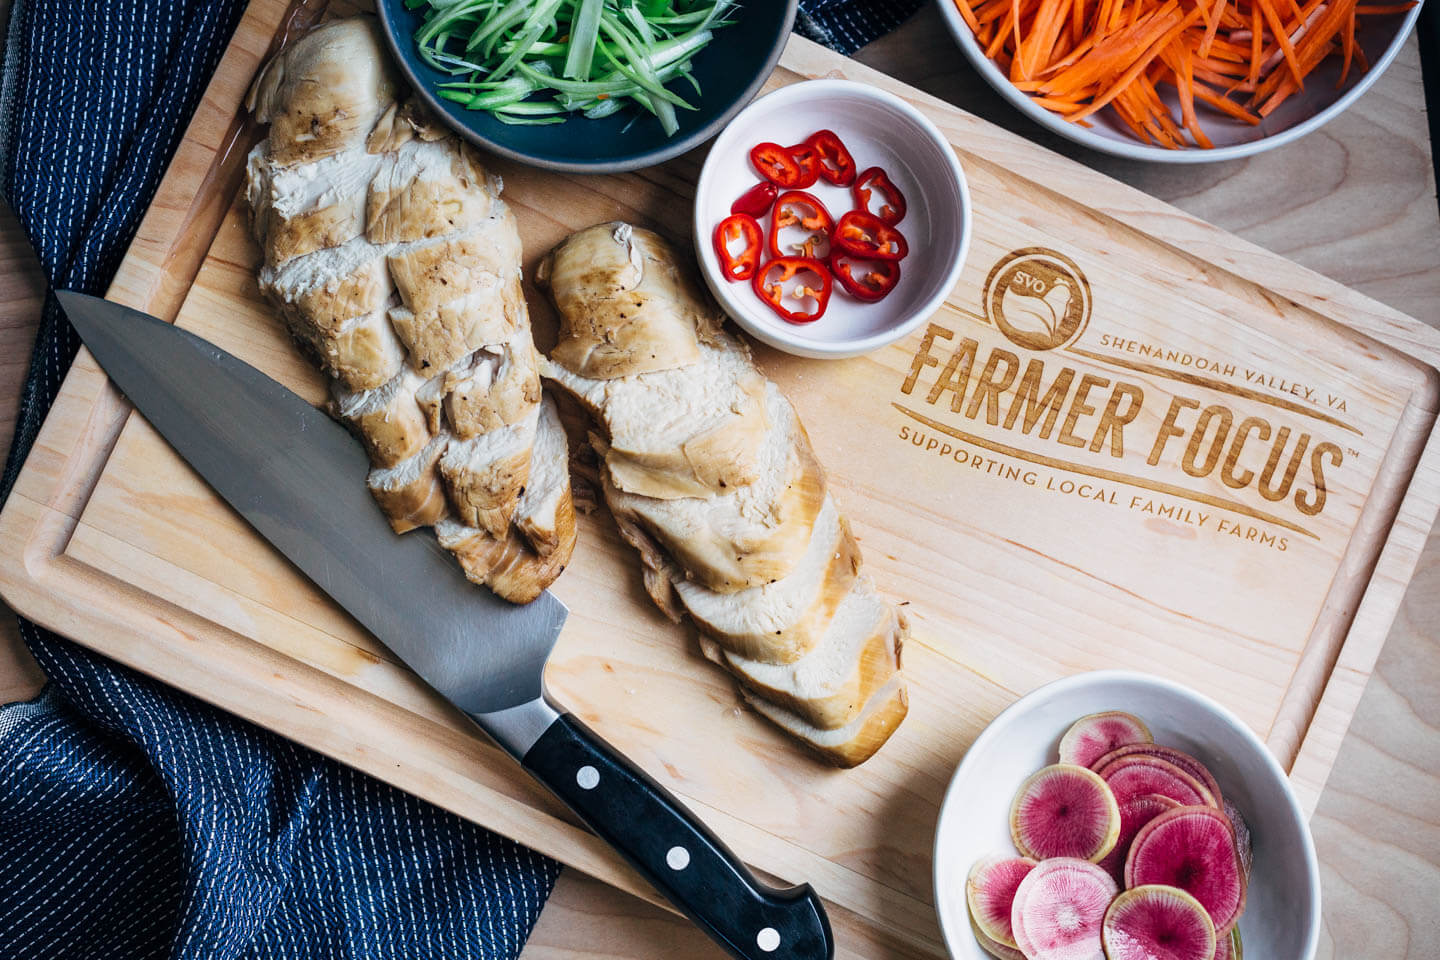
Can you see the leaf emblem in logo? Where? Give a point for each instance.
(1038, 298)
(1039, 315)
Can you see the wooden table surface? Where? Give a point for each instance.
(1356, 201)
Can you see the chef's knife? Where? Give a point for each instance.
(298, 477)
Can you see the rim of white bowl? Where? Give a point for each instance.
(1064, 685)
(854, 346)
(965, 39)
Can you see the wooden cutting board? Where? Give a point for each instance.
(1102, 527)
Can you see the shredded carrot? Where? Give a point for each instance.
(1138, 67)
(1347, 48)
(1282, 31)
(1068, 59)
(1226, 60)
(1001, 36)
(1077, 22)
(1225, 105)
(1257, 35)
(1059, 106)
(1212, 25)
(968, 14)
(1225, 68)
(1225, 50)
(1016, 15)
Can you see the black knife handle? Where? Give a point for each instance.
(675, 851)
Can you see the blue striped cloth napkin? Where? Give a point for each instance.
(135, 821)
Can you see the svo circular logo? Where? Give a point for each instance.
(1038, 298)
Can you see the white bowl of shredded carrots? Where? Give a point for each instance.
(1181, 81)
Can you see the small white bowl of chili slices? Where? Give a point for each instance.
(831, 219)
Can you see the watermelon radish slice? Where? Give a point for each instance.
(1064, 811)
(997, 950)
(1179, 758)
(1157, 923)
(1059, 908)
(989, 891)
(1137, 775)
(1135, 812)
(1091, 737)
(1192, 848)
(1242, 837)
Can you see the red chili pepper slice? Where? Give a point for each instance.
(742, 263)
(865, 235)
(757, 200)
(796, 208)
(892, 202)
(801, 279)
(808, 159)
(778, 165)
(834, 160)
(864, 279)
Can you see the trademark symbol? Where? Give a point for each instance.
(1351, 452)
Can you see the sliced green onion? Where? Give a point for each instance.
(535, 61)
(638, 67)
(531, 109)
(507, 16)
(506, 117)
(512, 91)
(540, 48)
(584, 31)
(541, 16)
(604, 108)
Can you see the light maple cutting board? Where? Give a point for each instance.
(1193, 458)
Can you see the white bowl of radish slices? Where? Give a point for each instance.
(1119, 816)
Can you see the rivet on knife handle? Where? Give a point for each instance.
(676, 852)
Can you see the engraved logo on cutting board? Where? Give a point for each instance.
(1038, 298)
(1029, 390)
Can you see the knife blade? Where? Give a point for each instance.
(297, 477)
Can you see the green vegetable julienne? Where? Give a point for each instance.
(537, 61)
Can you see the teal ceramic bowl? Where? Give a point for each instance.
(730, 70)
